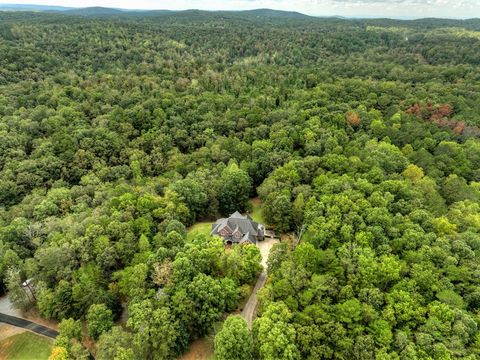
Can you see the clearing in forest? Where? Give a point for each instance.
(257, 211)
(200, 228)
(205, 227)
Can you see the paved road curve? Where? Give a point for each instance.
(26, 324)
(250, 309)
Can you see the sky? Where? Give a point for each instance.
(349, 8)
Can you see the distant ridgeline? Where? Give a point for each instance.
(104, 11)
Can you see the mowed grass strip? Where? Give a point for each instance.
(26, 346)
(257, 211)
(201, 228)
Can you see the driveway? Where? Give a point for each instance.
(250, 309)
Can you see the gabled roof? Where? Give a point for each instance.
(238, 222)
(248, 238)
(237, 215)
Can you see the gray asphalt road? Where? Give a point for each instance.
(26, 324)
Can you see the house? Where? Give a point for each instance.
(238, 229)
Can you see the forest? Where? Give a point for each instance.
(361, 138)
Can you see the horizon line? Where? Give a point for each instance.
(358, 17)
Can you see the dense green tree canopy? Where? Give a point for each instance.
(234, 341)
(360, 137)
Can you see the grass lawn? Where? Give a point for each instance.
(257, 211)
(204, 228)
(25, 346)
(199, 229)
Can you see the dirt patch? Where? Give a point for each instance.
(201, 349)
(256, 201)
(7, 331)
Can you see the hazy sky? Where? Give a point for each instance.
(388, 8)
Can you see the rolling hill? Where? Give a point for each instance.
(98, 11)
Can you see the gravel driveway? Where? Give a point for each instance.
(249, 311)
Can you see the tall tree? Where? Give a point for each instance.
(234, 341)
(235, 190)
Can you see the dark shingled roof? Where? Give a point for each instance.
(249, 229)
